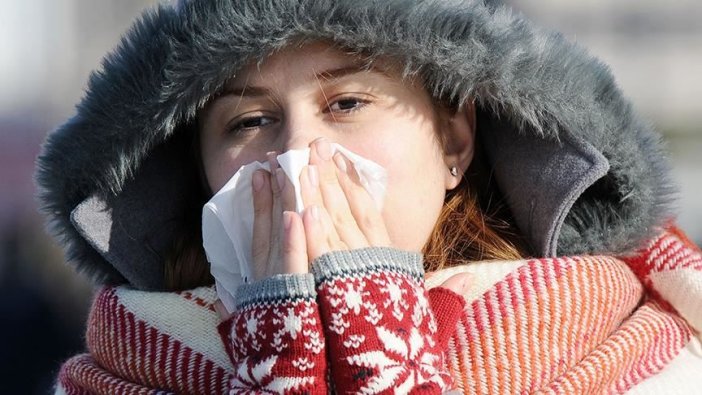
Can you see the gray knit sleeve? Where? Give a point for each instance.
(352, 263)
(278, 288)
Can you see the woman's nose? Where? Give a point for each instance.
(299, 132)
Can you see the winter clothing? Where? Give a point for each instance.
(583, 324)
(580, 172)
(366, 311)
(546, 325)
(371, 311)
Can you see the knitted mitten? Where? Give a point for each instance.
(447, 307)
(381, 334)
(275, 337)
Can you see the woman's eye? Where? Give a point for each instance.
(251, 123)
(347, 104)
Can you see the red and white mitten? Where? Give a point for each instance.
(380, 330)
(275, 338)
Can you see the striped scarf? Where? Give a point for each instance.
(585, 324)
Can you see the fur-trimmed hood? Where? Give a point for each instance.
(580, 171)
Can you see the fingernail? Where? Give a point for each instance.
(313, 175)
(272, 159)
(257, 181)
(280, 178)
(315, 212)
(323, 149)
(287, 219)
(340, 162)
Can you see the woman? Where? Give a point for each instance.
(501, 142)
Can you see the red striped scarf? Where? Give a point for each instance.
(565, 325)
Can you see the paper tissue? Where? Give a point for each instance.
(227, 218)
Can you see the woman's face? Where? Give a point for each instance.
(300, 94)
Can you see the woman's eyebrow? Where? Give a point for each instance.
(246, 91)
(338, 73)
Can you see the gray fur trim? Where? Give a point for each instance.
(171, 62)
(278, 288)
(363, 261)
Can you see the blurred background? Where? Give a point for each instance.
(48, 48)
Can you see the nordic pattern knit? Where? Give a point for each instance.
(566, 325)
(369, 306)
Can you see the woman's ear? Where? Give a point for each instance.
(459, 142)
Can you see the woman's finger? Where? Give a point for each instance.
(459, 283)
(317, 243)
(283, 200)
(362, 206)
(335, 201)
(286, 190)
(275, 257)
(312, 196)
(263, 205)
(294, 244)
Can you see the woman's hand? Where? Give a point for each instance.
(339, 213)
(277, 229)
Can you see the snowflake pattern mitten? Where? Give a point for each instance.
(275, 338)
(379, 328)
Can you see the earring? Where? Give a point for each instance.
(454, 171)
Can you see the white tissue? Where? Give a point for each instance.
(227, 219)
